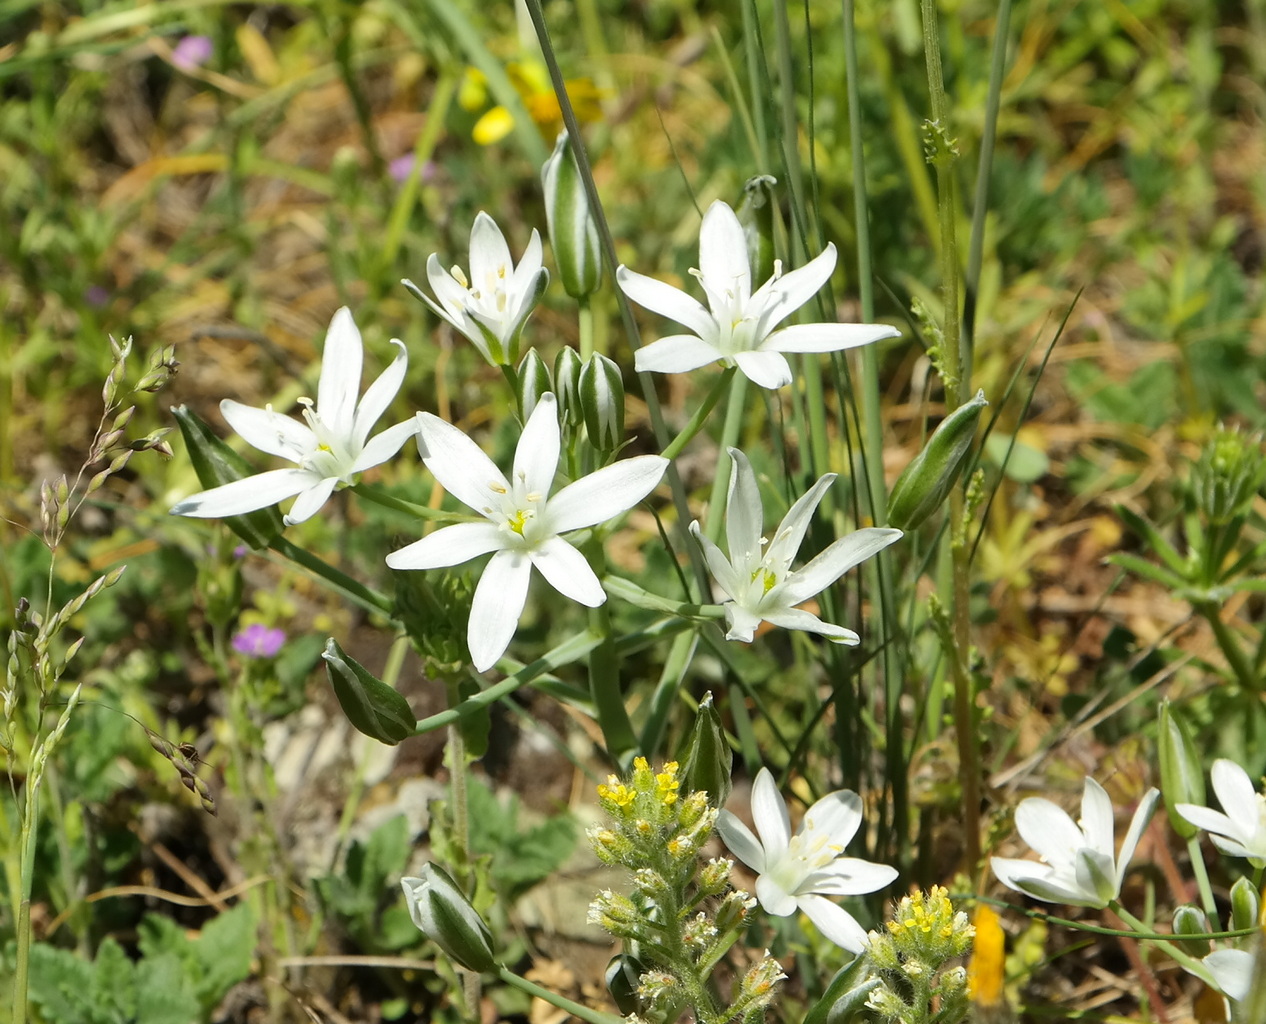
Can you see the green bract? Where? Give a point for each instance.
(924, 484)
(571, 228)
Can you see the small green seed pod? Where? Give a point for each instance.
(1191, 924)
(1182, 776)
(567, 367)
(1246, 905)
(926, 482)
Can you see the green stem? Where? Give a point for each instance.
(381, 497)
(1189, 963)
(340, 581)
(585, 323)
(457, 765)
(968, 740)
(22, 965)
(1231, 649)
(730, 431)
(1202, 879)
(554, 999)
(700, 415)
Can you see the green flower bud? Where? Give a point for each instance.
(567, 367)
(1228, 476)
(216, 463)
(531, 382)
(1182, 775)
(445, 916)
(756, 215)
(372, 706)
(624, 976)
(601, 390)
(733, 910)
(1191, 924)
(572, 231)
(1246, 905)
(707, 759)
(923, 486)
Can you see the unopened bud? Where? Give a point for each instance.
(708, 760)
(567, 367)
(624, 976)
(1192, 925)
(925, 483)
(602, 403)
(532, 381)
(445, 916)
(572, 231)
(1181, 772)
(1246, 905)
(756, 215)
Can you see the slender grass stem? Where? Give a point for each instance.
(700, 416)
(381, 497)
(1202, 879)
(730, 432)
(554, 999)
(1231, 648)
(340, 581)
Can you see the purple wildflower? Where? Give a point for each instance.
(96, 296)
(191, 52)
(403, 167)
(258, 641)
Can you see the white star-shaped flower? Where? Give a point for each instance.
(798, 872)
(758, 578)
(739, 327)
(1241, 831)
(491, 307)
(522, 522)
(330, 447)
(1079, 865)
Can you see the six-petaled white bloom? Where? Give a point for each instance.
(491, 307)
(1233, 970)
(331, 446)
(523, 522)
(759, 580)
(800, 871)
(1079, 867)
(739, 327)
(1241, 831)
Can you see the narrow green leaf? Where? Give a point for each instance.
(372, 706)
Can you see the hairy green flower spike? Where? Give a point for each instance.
(443, 913)
(756, 215)
(1191, 923)
(707, 759)
(924, 484)
(572, 231)
(926, 926)
(601, 391)
(531, 381)
(1228, 475)
(1181, 772)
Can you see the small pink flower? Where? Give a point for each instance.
(404, 167)
(191, 52)
(258, 641)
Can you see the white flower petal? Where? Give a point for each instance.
(536, 457)
(496, 607)
(740, 623)
(1237, 796)
(490, 258)
(246, 495)
(1047, 828)
(1097, 819)
(677, 353)
(796, 287)
(1038, 881)
(774, 898)
(384, 445)
(834, 922)
(769, 814)
(836, 815)
(568, 572)
(826, 337)
(765, 369)
(378, 396)
(451, 545)
(340, 374)
(744, 517)
(604, 494)
(1207, 819)
(790, 533)
(841, 556)
(460, 465)
(269, 431)
(1232, 969)
(1143, 815)
(667, 301)
(718, 564)
(798, 618)
(723, 260)
(451, 295)
(850, 876)
(309, 502)
(742, 843)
